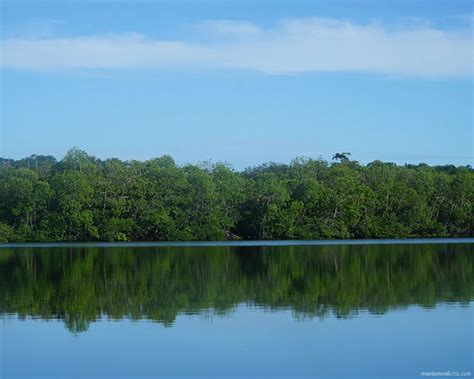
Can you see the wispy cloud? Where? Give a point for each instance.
(293, 46)
(229, 28)
(34, 28)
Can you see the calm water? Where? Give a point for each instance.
(240, 311)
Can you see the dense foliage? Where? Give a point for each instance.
(80, 285)
(81, 198)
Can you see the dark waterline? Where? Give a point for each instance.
(256, 243)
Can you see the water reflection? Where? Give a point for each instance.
(81, 285)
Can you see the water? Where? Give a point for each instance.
(237, 310)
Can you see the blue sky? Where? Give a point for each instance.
(244, 82)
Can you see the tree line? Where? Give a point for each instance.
(82, 198)
(81, 285)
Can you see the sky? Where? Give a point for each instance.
(244, 82)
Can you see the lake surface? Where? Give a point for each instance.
(301, 310)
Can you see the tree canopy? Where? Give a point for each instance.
(82, 198)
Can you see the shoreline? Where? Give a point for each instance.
(244, 243)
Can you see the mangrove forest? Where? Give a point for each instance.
(82, 198)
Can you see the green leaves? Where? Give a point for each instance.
(81, 198)
(23, 203)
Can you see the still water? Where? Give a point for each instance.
(381, 310)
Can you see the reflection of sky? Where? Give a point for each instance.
(248, 343)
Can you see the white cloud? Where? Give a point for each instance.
(293, 46)
(230, 28)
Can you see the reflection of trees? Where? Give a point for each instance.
(79, 285)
